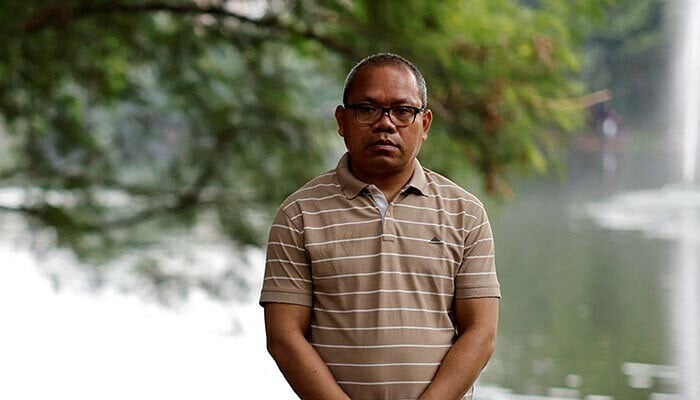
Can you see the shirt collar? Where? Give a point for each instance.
(351, 186)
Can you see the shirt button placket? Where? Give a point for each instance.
(388, 233)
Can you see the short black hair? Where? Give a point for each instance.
(382, 60)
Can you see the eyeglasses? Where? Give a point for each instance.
(401, 116)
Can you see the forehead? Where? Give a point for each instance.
(385, 84)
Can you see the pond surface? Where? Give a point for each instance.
(587, 310)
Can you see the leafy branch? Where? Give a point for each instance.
(63, 14)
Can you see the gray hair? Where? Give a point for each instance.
(382, 60)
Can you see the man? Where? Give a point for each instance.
(380, 279)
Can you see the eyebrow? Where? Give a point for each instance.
(399, 102)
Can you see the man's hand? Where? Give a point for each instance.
(286, 326)
(477, 323)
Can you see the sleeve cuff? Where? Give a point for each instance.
(285, 297)
(469, 293)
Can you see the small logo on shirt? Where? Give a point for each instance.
(436, 240)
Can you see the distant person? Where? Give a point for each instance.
(611, 124)
(605, 120)
(380, 279)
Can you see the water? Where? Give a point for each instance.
(668, 214)
(687, 305)
(589, 308)
(672, 212)
(82, 345)
(585, 312)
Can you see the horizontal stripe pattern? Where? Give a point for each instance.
(381, 290)
(370, 292)
(382, 346)
(381, 365)
(376, 328)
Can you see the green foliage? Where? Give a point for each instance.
(183, 109)
(627, 53)
(499, 75)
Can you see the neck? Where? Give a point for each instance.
(390, 183)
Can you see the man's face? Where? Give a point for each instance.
(383, 149)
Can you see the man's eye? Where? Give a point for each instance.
(366, 109)
(403, 111)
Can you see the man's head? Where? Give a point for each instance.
(383, 119)
(382, 60)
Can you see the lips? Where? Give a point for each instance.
(384, 143)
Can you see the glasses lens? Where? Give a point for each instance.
(367, 113)
(403, 115)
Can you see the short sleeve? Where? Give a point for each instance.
(287, 268)
(476, 276)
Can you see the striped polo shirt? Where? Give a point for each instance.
(380, 277)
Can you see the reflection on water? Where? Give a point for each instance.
(657, 213)
(585, 312)
(669, 213)
(687, 308)
(642, 376)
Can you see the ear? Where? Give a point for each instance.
(340, 119)
(426, 121)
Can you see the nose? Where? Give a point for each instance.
(384, 123)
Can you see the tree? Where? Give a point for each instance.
(628, 53)
(126, 119)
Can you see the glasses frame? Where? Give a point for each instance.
(385, 111)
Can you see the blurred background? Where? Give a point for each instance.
(145, 145)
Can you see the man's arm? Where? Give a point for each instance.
(477, 323)
(309, 376)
